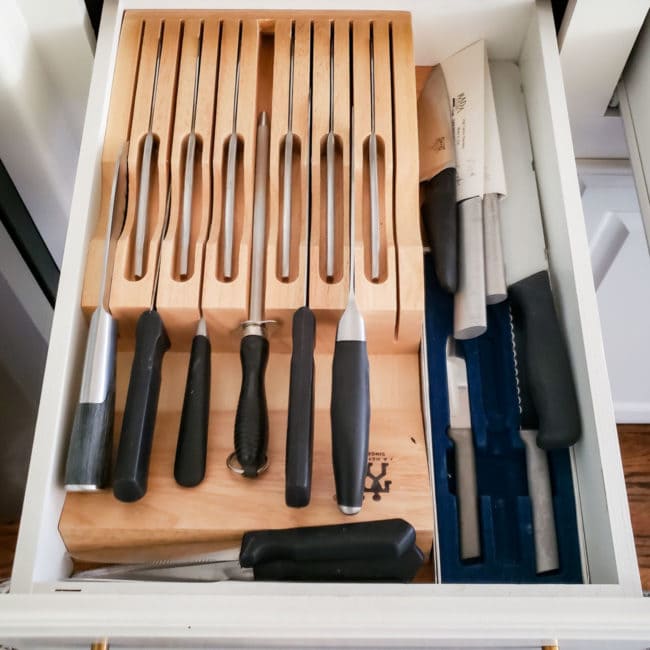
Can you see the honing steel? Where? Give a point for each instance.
(350, 405)
(300, 417)
(495, 188)
(464, 74)
(288, 171)
(373, 551)
(438, 178)
(542, 347)
(151, 343)
(460, 432)
(537, 470)
(372, 168)
(142, 217)
(330, 152)
(188, 186)
(91, 440)
(252, 418)
(231, 171)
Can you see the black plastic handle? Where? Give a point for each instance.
(252, 419)
(440, 224)
(300, 421)
(543, 358)
(191, 449)
(401, 569)
(91, 444)
(134, 451)
(371, 540)
(350, 416)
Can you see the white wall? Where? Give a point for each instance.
(624, 294)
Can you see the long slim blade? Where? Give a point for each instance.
(458, 388)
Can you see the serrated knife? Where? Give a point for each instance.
(438, 178)
(541, 345)
(460, 432)
(464, 74)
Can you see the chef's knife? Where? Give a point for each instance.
(495, 188)
(460, 432)
(541, 347)
(438, 178)
(537, 471)
(464, 74)
(365, 552)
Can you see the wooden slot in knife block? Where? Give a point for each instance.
(171, 519)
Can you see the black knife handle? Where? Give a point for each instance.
(134, 451)
(191, 449)
(91, 444)
(300, 422)
(252, 418)
(401, 569)
(350, 417)
(371, 540)
(547, 366)
(440, 224)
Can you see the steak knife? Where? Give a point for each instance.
(541, 346)
(460, 432)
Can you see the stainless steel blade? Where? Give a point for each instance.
(458, 389)
(288, 171)
(186, 218)
(373, 172)
(256, 299)
(436, 141)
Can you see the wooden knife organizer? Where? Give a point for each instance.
(170, 519)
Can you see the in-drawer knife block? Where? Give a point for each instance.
(171, 519)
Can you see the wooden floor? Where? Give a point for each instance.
(635, 448)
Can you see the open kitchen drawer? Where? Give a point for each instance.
(608, 611)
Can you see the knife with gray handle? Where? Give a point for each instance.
(460, 432)
(541, 346)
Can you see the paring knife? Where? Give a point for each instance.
(537, 471)
(91, 440)
(438, 178)
(464, 74)
(460, 432)
(541, 346)
(495, 188)
(365, 552)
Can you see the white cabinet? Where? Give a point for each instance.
(609, 612)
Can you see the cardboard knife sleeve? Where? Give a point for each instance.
(216, 513)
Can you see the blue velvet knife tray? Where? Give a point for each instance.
(508, 550)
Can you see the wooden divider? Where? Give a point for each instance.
(129, 296)
(170, 519)
(118, 129)
(179, 298)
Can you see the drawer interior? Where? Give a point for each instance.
(517, 32)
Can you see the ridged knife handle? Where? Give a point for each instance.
(300, 422)
(541, 500)
(470, 316)
(350, 416)
(191, 449)
(466, 493)
(439, 217)
(134, 451)
(545, 357)
(252, 419)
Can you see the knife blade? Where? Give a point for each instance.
(542, 345)
(537, 470)
(438, 178)
(495, 189)
(460, 432)
(464, 74)
(371, 551)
